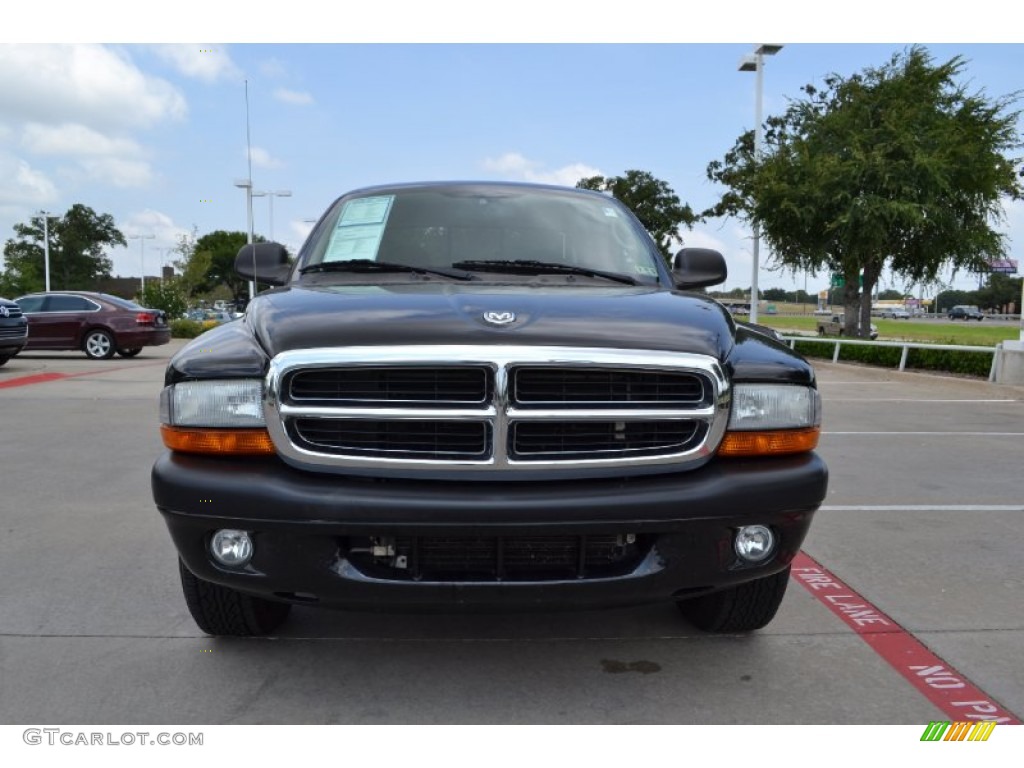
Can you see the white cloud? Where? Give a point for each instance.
(155, 251)
(118, 171)
(110, 159)
(514, 166)
(203, 62)
(263, 159)
(21, 184)
(300, 98)
(74, 139)
(90, 85)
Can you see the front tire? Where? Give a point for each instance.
(742, 608)
(4, 358)
(221, 611)
(98, 345)
(129, 352)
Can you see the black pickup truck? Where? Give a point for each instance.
(481, 395)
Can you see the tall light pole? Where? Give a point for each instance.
(46, 245)
(142, 255)
(246, 184)
(271, 196)
(755, 63)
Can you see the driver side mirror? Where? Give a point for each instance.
(698, 267)
(267, 262)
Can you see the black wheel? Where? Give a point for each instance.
(4, 359)
(98, 345)
(129, 352)
(222, 611)
(821, 331)
(742, 608)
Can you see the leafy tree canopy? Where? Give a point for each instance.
(896, 166)
(78, 243)
(651, 200)
(215, 254)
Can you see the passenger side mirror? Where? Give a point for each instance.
(266, 261)
(698, 267)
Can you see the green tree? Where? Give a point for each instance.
(78, 261)
(168, 295)
(651, 200)
(217, 251)
(898, 166)
(999, 291)
(194, 267)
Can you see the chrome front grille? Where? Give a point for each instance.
(418, 411)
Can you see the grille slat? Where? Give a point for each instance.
(585, 387)
(404, 385)
(396, 439)
(13, 333)
(493, 558)
(545, 440)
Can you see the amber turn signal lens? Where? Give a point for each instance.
(771, 443)
(225, 442)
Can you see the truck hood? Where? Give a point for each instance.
(432, 313)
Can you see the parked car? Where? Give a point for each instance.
(965, 312)
(13, 330)
(837, 327)
(96, 323)
(896, 313)
(469, 394)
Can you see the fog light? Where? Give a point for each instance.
(231, 548)
(754, 543)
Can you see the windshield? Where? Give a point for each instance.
(444, 226)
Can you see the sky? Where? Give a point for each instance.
(153, 131)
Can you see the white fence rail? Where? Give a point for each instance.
(906, 346)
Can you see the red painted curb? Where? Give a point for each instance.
(39, 378)
(956, 696)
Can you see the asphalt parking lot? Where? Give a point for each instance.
(906, 607)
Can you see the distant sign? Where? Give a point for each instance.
(1003, 266)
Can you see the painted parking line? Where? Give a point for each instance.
(938, 434)
(946, 688)
(922, 508)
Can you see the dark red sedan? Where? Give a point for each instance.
(96, 323)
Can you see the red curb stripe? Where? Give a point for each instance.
(39, 378)
(938, 681)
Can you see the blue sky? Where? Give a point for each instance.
(155, 133)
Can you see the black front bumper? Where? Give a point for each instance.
(308, 529)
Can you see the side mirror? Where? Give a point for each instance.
(267, 262)
(698, 267)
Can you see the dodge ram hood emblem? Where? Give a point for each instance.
(499, 318)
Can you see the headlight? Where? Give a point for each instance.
(774, 406)
(772, 419)
(230, 403)
(215, 417)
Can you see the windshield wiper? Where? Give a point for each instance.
(369, 265)
(529, 267)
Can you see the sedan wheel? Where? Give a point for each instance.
(98, 345)
(129, 352)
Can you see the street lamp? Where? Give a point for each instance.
(246, 184)
(46, 245)
(271, 196)
(142, 256)
(755, 63)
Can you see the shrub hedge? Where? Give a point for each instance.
(185, 329)
(948, 361)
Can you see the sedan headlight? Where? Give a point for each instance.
(215, 416)
(769, 419)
